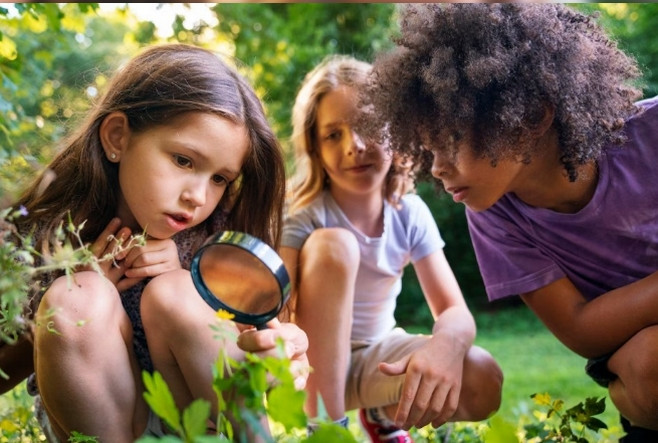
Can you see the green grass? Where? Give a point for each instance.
(534, 361)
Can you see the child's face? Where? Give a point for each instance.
(173, 176)
(354, 165)
(471, 179)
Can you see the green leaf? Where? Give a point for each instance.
(212, 439)
(286, 406)
(165, 439)
(594, 406)
(195, 418)
(500, 431)
(595, 424)
(257, 378)
(159, 398)
(330, 432)
(77, 437)
(88, 7)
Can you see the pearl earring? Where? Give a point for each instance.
(113, 156)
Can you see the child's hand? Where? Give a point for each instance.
(263, 342)
(154, 258)
(431, 387)
(107, 243)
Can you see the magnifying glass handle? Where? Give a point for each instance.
(262, 326)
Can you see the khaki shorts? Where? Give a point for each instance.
(366, 386)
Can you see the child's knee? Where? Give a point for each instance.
(166, 292)
(483, 384)
(329, 247)
(639, 375)
(86, 295)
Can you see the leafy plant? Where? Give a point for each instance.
(568, 425)
(249, 392)
(549, 423)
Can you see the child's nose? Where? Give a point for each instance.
(195, 193)
(440, 166)
(356, 144)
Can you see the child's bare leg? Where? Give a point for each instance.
(482, 385)
(635, 392)
(328, 264)
(86, 371)
(177, 324)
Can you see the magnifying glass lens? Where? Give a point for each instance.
(239, 279)
(241, 274)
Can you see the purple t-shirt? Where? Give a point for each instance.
(611, 242)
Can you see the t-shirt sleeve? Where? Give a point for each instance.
(424, 236)
(509, 262)
(297, 227)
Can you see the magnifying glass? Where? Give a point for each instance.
(242, 275)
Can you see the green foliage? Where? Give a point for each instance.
(630, 24)
(549, 423)
(159, 398)
(15, 263)
(247, 391)
(77, 437)
(61, 54)
(570, 425)
(17, 420)
(280, 43)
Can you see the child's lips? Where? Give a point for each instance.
(458, 193)
(358, 168)
(179, 220)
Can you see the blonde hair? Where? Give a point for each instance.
(310, 179)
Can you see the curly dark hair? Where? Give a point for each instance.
(492, 70)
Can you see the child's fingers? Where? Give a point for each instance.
(120, 239)
(99, 246)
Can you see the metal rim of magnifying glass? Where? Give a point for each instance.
(260, 250)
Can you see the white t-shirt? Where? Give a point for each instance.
(410, 234)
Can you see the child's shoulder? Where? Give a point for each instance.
(412, 206)
(648, 107)
(411, 201)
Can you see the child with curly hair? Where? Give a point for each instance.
(352, 228)
(177, 148)
(533, 121)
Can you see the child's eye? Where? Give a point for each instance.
(181, 161)
(220, 180)
(333, 136)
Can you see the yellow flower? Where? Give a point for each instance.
(224, 315)
(542, 399)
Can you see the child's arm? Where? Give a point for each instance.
(600, 326)
(434, 372)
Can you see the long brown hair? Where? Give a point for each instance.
(159, 84)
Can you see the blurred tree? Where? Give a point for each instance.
(280, 43)
(61, 54)
(632, 25)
